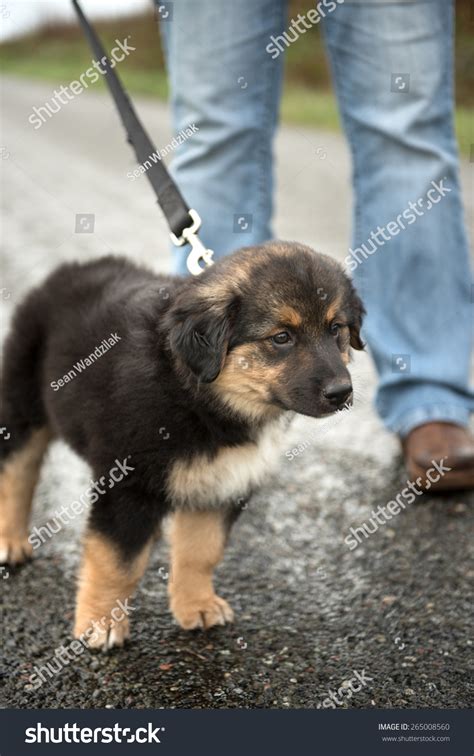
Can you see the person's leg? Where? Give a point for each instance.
(392, 64)
(227, 86)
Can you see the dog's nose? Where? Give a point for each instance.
(338, 391)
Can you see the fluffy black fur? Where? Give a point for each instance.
(151, 397)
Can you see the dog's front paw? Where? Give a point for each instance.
(204, 613)
(14, 549)
(96, 636)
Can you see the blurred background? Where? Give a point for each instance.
(41, 39)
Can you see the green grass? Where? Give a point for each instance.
(303, 106)
(61, 55)
(465, 129)
(63, 61)
(148, 83)
(60, 61)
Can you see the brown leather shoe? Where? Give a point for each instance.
(432, 448)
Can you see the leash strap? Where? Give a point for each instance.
(182, 221)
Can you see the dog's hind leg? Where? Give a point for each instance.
(24, 434)
(107, 581)
(117, 546)
(18, 476)
(197, 547)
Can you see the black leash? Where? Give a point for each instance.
(183, 221)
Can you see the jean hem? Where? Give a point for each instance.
(430, 413)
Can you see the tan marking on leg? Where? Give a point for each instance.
(18, 479)
(104, 580)
(197, 547)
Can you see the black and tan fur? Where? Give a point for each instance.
(195, 393)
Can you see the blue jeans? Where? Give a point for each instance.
(409, 254)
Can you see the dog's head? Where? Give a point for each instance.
(270, 328)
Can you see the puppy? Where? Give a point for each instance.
(182, 384)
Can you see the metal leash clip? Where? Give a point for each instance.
(198, 250)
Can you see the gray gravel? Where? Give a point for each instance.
(310, 613)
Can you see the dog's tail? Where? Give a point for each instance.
(21, 406)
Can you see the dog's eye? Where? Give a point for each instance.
(281, 338)
(335, 328)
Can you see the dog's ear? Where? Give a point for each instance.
(199, 333)
(356, 316)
